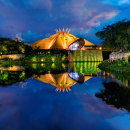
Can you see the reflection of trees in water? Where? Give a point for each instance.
(42, 68)
(84, 67)
(123, 77)
(116, 95)
(10, 76)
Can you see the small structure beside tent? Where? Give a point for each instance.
(118, 55)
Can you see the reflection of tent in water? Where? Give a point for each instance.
(61, 81)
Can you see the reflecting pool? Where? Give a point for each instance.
(74, 96)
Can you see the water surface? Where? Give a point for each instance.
(63, 96)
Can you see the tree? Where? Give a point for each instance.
(8, 46)
(116, 36)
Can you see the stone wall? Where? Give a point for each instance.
(12, 56)
(118, 55)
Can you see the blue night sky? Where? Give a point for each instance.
(32, 20)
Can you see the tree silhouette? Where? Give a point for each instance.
(116, 36)
(115, 94)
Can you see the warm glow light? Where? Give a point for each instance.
(100, 48)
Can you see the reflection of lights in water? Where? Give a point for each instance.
(74, 75)
(77, 77)
(42, 59)
(53, 59)
(53, 65)
(63, 65)
(62, 88)
(22, 85)
(62, 81)
(42, 64)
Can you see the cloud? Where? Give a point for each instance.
(29, 36)
(75, 8)
(18, 37)
(116, 2)
(44, 17)
(86, 34)
(6, 3)
(124, 2)
(39, 4)
(87, 14)
(20, 17)
(96, 20)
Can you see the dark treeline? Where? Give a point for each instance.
(8, 46)
(116, 36)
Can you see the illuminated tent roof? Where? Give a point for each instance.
(60, 40)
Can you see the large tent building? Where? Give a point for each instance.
(61, 40)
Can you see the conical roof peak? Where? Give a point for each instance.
(62, 31)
